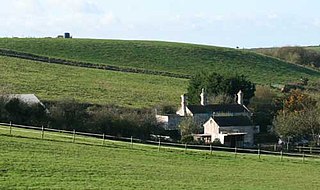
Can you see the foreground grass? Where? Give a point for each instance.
(39, 164)
(54, 82)
(165, 56)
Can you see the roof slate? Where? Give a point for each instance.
(225, 121)
(225, 108)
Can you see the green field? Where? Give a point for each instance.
(165, 56)
(33, 163)
(55, 82)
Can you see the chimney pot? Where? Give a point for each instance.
(240, 97)
(184, 103)
(203, 98)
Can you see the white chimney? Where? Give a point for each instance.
(184, 104)
(203, 97)
(240, 97)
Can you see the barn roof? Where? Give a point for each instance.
(225, 108)
(225, 121)
(26, 98)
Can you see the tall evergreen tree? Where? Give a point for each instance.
(216, 84)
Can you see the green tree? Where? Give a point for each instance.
(263, 107)
(310, 121)
(298, 118)
(198, 82)
(287, 124)
(216, 84)
(188, 126)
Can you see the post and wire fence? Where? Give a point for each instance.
(77, 137)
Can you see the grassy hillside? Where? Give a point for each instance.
(53, 82)
(164, 56)
(315, 48)
(40, 164)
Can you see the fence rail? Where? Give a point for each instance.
(74, 135)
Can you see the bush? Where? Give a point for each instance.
(188, 139)
(20, 112)
(216, 142)
(68, 115)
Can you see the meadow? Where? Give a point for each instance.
(171, 57)
(56, 82)
(53, 163)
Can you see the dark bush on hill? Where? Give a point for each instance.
(125, 122)
(68, 115)
(19, 112)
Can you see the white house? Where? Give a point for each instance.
(230, 130)
(220, 121)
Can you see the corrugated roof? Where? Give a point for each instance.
(26, 98)
(225, 121)
(225, 108)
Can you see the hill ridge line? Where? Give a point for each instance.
(46, 59)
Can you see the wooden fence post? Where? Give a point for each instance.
(281, 157)
(103, 138)
(159, 145)
(74, 136)
(259, 153)
(42, 132)
(185, 147)
(310, 149)
(210, 149)
(303, 157)
(235, 152)
(131, 142)
(10, 128)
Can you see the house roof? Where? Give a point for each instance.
(225, 121)
(225, 108)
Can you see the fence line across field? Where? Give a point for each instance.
(73, 135)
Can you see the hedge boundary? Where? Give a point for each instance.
(46, 59)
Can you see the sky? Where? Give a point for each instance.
(227, 23)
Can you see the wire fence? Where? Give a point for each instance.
(75, 136)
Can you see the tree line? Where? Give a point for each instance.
(72, 115)
(294, 54)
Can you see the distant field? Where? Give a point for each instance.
(54, 82)
(316, 48)
(32, 163)
(165, 56)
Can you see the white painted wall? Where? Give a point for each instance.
(211, 127)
